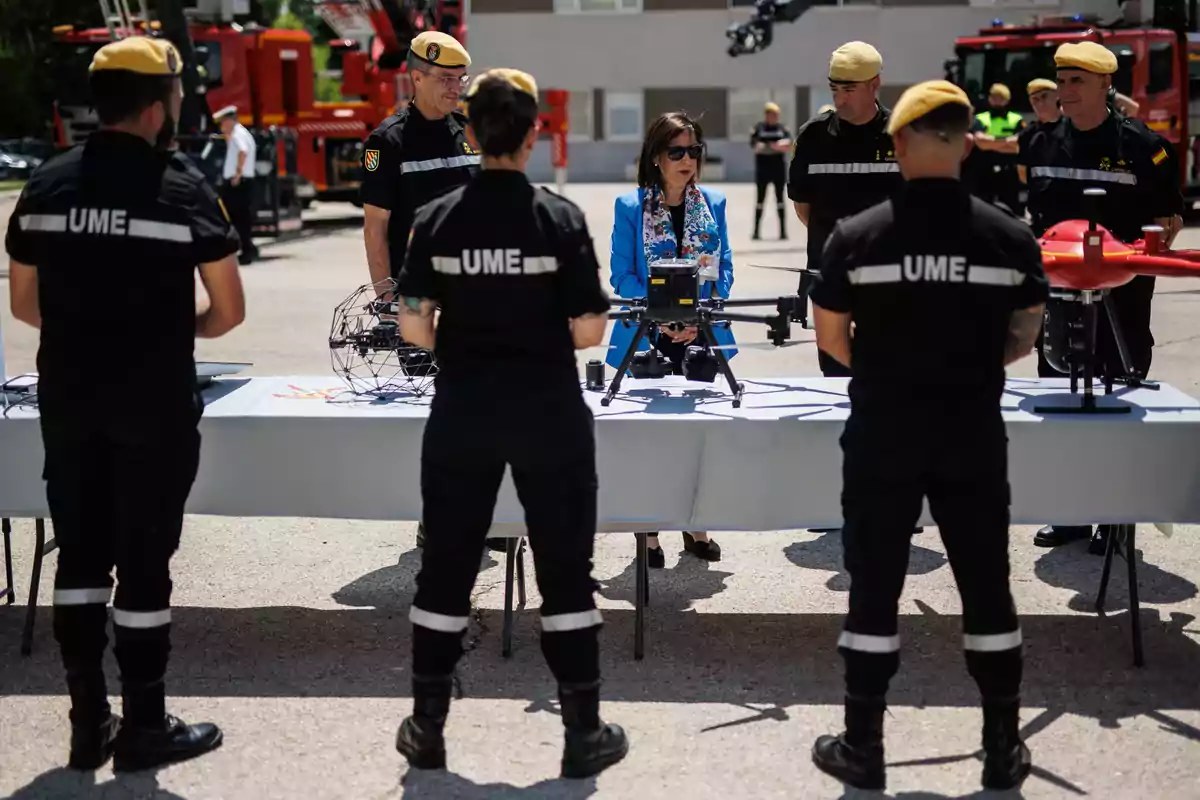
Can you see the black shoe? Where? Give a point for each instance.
(92, 745)
(860, 767)
(420, 534)
(656, 558)
(824, 530)
(755, 236)
(172, 742)
(1006, 769)
(497, 545)
(1055, 535)
(586, 753)
(422, 743)
(709, 551)
(1098, 546)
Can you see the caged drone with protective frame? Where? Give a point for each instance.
(367, 350)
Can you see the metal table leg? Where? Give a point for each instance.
(1123, 539)
(42, 549)
(642, 578)
(510, 560)
(9, 593)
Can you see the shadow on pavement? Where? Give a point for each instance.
(78, 785)
(825, 554)
(1070, 566)
(444, 785)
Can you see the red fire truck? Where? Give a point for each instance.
(1158, 67)
(307, 149)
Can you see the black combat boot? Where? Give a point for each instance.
(855, 757)
(420, 737)
(1006, 759)
(93, 725)
(150, 737)
(590, 745)
(782, 225)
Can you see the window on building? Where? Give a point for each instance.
(596, 6)
(624, 116)
(580, 126)
(746, 109)
(1162, 67)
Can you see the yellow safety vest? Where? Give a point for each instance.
(1000, 126)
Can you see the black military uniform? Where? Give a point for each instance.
(116, 229)
(770, 169)
(1138, 170)
(841, 169)
(930, 279)
(508, 264)
(411, 159)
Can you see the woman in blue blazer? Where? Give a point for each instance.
(670, 216)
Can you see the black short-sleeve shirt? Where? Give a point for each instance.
(1137, 168)
(841, 169)
(509, 264)
(116, 229)
(770, 162)
(930, 279)
(408, 161)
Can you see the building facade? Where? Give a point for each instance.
(626, 61)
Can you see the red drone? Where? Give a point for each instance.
(1083, 256)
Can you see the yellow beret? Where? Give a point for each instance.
(854, 62)
(435, 47)
(1041, 85)
(919, 100)
(140, 54)
(1087, 56)
(521, 81)
(1000, 89)
(771, 107)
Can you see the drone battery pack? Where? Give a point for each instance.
(674, 290)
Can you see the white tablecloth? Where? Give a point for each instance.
(304, 447)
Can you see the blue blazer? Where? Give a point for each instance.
(629, 272)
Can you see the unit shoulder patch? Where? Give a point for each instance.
(371, 160)
(1160, 156)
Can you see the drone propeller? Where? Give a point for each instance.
(1079, 258)
(782, 268)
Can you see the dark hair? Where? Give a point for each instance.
(120, 95)
(501, 116)
(951, 119)
(658, 138)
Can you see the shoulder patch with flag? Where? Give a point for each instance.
(1160, 156)
(371, 161)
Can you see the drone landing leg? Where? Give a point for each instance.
(615, 386)
(1088, 400)
(736, 388)
(1130, 378)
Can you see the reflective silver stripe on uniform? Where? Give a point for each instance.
(164, 231)
(577, 621)
(47, 223)
(437, 622)
(995, 276)
(992, 643)
(141, 619)
(530, 265)
(876, 273)
(81, 597)
(860, 168)
(1074, 174)
(439, 163)
(865, 643)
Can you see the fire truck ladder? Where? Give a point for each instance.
(120, 20)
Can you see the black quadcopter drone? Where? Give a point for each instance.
(758, 32)
(367, 350)
(673, 302)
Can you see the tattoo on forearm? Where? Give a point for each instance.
(415, 306)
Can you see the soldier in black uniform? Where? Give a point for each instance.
(944, 290)
(1137, 168)
(417, 154)
(513, 271)
(113, 231)
(771, 140)
(842, 161)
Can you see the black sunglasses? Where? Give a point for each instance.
(677, 153)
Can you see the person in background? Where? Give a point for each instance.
(771, 141)
(669, 216)
(238, 179)
(997, 180)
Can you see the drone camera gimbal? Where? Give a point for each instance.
(673, 301)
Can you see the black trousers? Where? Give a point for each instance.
(891, 462)
(116, 493)
(239, 202)
(763, 178)
(1132, 302)
(548, 441)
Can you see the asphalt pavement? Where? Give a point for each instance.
(292, 634)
